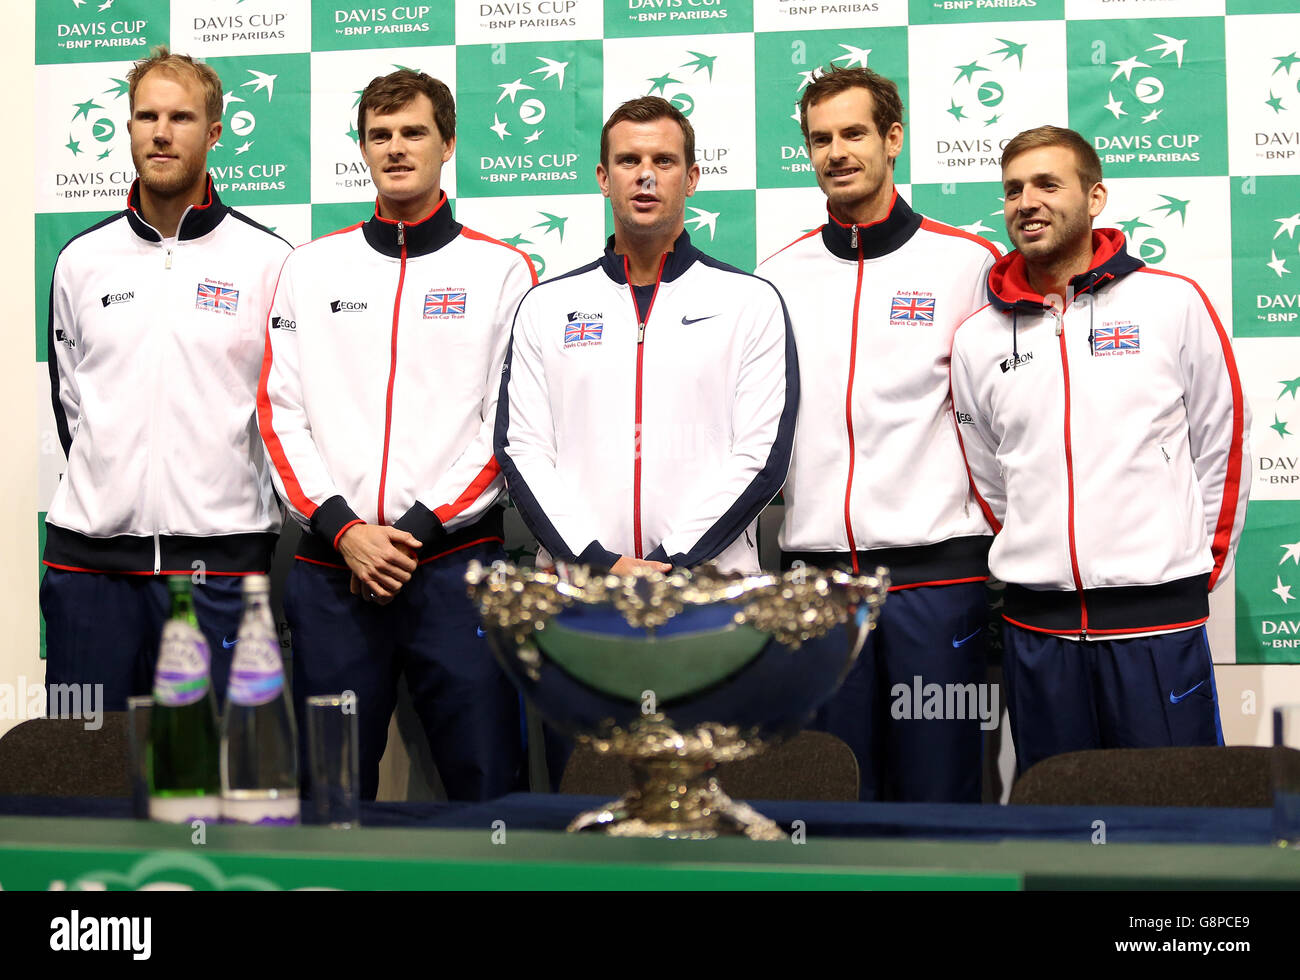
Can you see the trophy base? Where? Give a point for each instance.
(676, 799)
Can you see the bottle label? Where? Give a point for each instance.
(257, 673)
(182, 674)
(280, 812)
(185, 809)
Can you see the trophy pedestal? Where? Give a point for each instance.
(676, 797)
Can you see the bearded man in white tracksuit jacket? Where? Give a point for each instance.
(1107, 437)
(156, 322)
(648, 405)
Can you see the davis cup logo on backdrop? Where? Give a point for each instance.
(952, 11)
(84, 154)
(337, 25)
(987, 82)
(674, 89)
(1135, 93)
(973, 89)
(263, 153)
(786, 64)
(699, 220)
(1286, 421)
(527, 117)
(92, 129)
(636, 18)
(1263, 69)
(1266, 256)
(98, 30)
(1268, 584)
(973, 207)
(978, 90)
(705, 78)
(550, 223)
(206, 28)
(1142, 232)
(784, 15)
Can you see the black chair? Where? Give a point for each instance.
(61, 757)
(810, 766)
(1225, 776)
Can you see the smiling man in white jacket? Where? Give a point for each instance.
(648, 405)
(1106, 434)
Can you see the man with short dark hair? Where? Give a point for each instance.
(155, 340)
(649, 399)
(877, 476)
(1106, 434)
(378, 395)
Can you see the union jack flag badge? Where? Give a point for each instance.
(1116, 339)
(912, 309)
(219, 299)
(582, 331)
(444, 302)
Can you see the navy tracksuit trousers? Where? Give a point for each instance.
(928, 635)
(431, 633)
(1068, 695)
(105, 628)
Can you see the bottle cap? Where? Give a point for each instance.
(256, 584)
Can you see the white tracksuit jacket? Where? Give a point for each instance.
(657, 430)
(1109, 445)
(154, 353)
(877, 474)
(379, 384)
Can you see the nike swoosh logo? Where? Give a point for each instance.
(229, 644)
(956, 642)
(687, 322)
(1175, 698)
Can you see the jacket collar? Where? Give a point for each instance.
(677, 262)
(874, 239)
(1008, 286)
(198, 220)
(429, 234)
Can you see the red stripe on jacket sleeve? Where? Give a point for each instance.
(265, 426)
(1232, 478)
(961, 443)
(480, 483)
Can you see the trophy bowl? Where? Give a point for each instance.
(676, 673)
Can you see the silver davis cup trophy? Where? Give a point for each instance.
(676, 673)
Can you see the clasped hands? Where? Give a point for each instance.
(382, 559)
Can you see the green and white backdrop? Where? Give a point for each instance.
(1194, 106)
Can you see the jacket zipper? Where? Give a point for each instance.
(1069, 478)
(153, 448)
(392, 372)
(848, 405)
(640, 356)
(153, 415)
